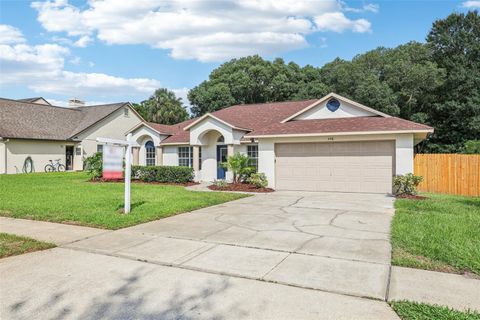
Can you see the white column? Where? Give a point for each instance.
(266, 160)
(196, 162)
(159, 156)
(404, 154)
(136, 154)
(229, 174)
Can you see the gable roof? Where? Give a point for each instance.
(25, 120)
(35, 100)
(276, 119)
(352, 125)
(339, 97)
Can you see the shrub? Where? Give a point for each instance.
(93, 165)
(472, 147)
(406, 184)
(163, 174)
(221, 184)
(259, 180)
(239, 164)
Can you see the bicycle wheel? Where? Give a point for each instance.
(49, 168)
(61, 168)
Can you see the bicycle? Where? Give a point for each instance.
(54, 166)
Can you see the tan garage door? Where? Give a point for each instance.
(338, 166)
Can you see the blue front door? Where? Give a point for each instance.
(221, 158)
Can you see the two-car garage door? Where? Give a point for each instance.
(364, 166)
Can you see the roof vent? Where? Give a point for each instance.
(74, 103)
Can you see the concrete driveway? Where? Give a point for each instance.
(334, 243)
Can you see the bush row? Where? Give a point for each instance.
(165, 174)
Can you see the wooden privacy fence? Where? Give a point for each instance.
(449, 173)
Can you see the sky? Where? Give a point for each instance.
(105, 51)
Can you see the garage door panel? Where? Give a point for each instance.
(363, 166)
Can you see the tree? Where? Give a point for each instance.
(162, 107)
(455, 45)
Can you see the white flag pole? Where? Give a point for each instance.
(128, 172)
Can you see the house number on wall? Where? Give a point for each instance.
(330, 138)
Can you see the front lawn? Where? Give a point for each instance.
(70, 198)
(440, 233)
(11, 245)
(419, 311)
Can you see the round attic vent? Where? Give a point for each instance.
(333, 104)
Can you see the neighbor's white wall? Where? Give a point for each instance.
(345, 110)
(114, 127)
(2, 157)
(403, 151)
(40, 151)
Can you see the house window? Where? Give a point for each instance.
(149, 153)
(125, 112)
(221, 139)
(78, 151)
(100, 148)
(252, 152)
(185, 156)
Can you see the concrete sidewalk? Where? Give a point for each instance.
(452, 290)
(69, 284)
(56, 233)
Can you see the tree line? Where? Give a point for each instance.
(436, 83)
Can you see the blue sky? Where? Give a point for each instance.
(115, 50)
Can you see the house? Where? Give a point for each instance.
(327, 144)
(36, 129)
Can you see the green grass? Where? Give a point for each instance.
(419, 311)
(71, 198)
(440, 233)
(11, 245)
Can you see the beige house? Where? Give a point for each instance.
(34, 128)
(327, 144)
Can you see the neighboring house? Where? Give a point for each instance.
(36, 129)
(330, 144)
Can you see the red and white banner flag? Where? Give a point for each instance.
(112, 162)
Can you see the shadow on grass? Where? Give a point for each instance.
(131, 300)
(133, 205)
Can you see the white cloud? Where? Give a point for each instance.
(210, 30)
(369, 7)
(64, 103)
(41, 68)
(83, 42)
(471, 4)
(9, 35)
(75, 60)
(337, 22)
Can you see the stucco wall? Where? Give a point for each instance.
(345, 110)
(114, 127)
(2, 157)
(41, 152)
(170, 155)
(403, 151)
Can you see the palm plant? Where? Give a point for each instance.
(239, 165)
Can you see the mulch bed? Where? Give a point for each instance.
(186, 184)
(410, 196)
(242, 187)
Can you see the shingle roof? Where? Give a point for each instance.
(339, 125)
(19, 119)
(265, 119)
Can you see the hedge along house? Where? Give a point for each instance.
(32, 128)
(329, 144)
